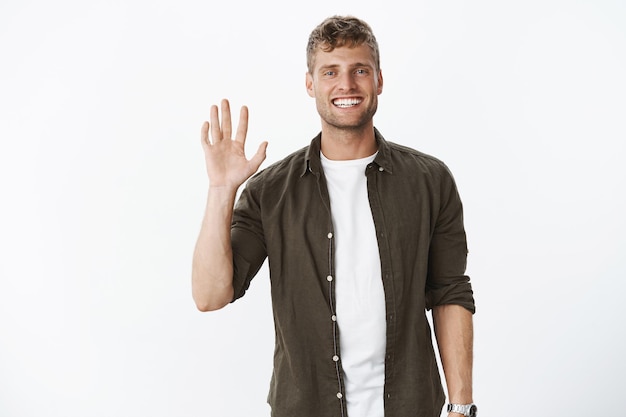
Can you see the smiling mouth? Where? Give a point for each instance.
(346, 102)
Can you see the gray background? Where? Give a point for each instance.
(103, 186)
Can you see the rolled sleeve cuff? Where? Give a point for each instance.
(459, 294)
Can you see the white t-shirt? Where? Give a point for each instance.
(360, 297)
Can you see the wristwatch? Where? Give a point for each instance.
(468, 410)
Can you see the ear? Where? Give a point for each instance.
(380, 82)
(309, 85)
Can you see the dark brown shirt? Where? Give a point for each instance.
(284, 214)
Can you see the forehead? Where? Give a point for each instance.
(344, 56)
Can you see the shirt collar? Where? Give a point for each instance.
(313, 164)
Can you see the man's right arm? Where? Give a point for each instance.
(227, 169)
(212, 267)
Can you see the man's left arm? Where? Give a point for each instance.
(450, 296)
(455, 337)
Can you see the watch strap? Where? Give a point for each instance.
(465, 409)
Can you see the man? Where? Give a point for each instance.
(362, 237)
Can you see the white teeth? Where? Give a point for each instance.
(346, 102)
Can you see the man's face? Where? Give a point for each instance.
(345, 85)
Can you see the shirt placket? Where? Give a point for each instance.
(373, 171)
(331, 291)
(330, 278)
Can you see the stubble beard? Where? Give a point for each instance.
(336, 122)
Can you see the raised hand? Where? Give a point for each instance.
(226, 162)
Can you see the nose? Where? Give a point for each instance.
(345, 81)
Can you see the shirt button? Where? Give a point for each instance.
(339, 395)
(335, 358)
(333, 317)
(330, 235)
(381, 169)
(329, 278)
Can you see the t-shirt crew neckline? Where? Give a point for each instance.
(348, 162)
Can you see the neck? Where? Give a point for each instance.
(345, 144)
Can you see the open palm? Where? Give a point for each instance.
(226, 162)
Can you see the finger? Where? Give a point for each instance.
(226, 123)
(204, 134)
(258, 158)
(242, 128)
(216, 133)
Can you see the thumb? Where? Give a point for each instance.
(258, 158)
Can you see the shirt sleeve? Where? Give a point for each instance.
(446, 282)
(248, 241)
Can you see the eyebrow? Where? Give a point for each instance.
(334, 66)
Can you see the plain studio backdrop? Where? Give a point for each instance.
(103, 186)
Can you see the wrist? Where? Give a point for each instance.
(222, 197)
(462, 410)
(227, 189)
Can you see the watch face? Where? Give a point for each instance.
(473, 411)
